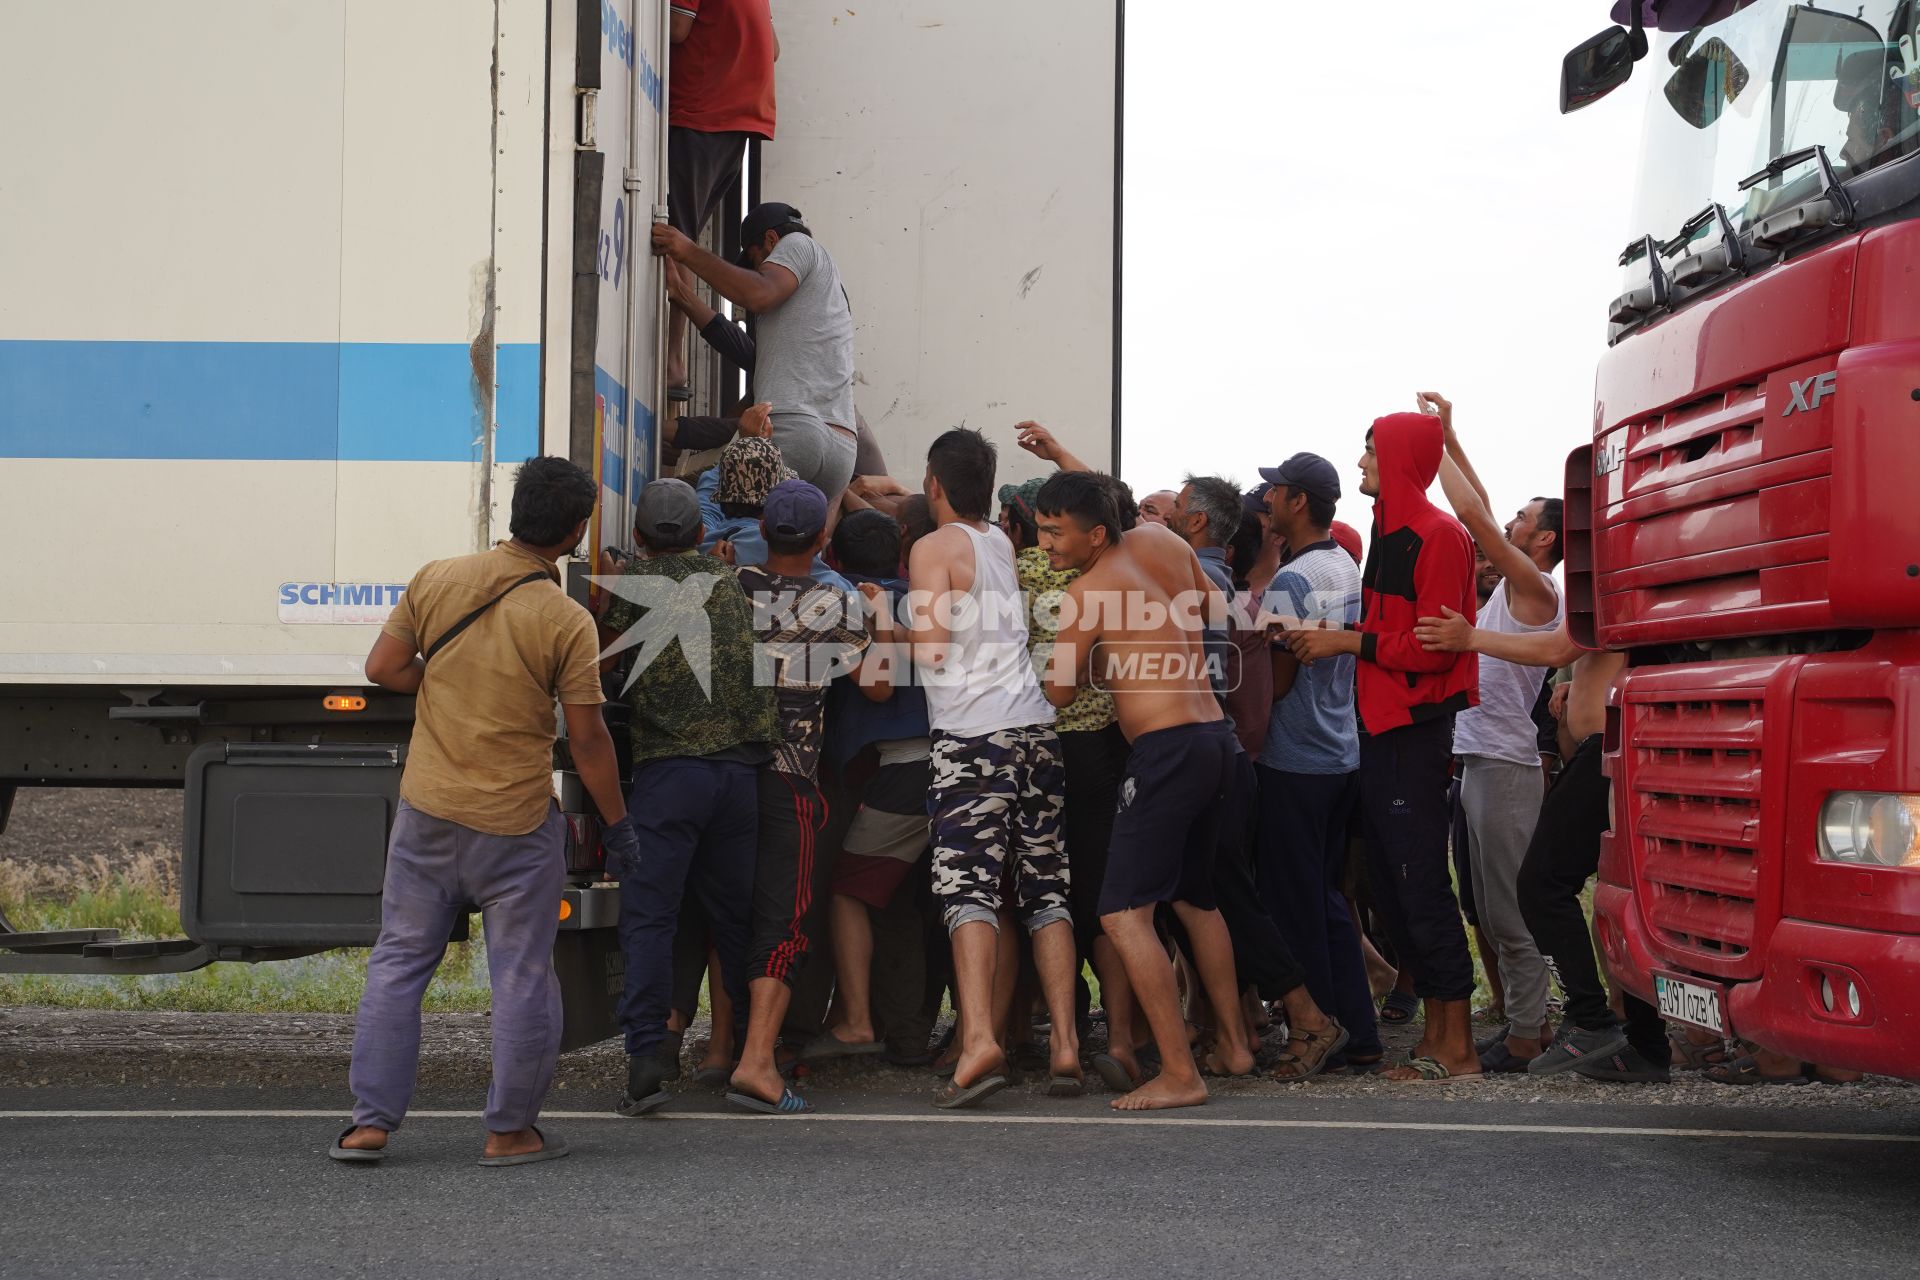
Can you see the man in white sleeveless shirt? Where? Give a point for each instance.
(998, 780)
(1501, 783)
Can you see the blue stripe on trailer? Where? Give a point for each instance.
(262, 401)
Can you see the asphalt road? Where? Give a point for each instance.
(142, 1182)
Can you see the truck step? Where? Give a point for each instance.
(57, 939)
(141, 950)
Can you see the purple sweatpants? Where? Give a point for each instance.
(434, 868)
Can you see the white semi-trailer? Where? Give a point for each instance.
(291, 285)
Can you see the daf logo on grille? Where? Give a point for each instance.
(1810, 393)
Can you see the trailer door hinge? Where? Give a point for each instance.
(587, 105)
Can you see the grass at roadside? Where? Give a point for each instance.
(142, 901)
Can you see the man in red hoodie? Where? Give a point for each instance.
(1420, 560)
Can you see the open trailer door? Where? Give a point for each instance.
(960, 160)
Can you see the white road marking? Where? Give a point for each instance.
(1129, 1121)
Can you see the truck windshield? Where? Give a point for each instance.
(1768, 78)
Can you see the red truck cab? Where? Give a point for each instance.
(1746, 526)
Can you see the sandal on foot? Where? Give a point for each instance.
(355, 1155)
(1688, 1056)
(711, 1076)
(1113, 1073)
(1066, 1087)
(1398, 1009)
(827, 1046)
(551, 1148)
(790, 1104)
(1498, 1060)
(1318, 1048)
(955, 1097)
(1434, 1071)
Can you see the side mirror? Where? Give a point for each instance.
(1596, 69)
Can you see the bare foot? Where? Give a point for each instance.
(1163, 1093)
(365, 1138)
(518, 1143)
(1222, 1061)
(762, 1082)
(970, 1069)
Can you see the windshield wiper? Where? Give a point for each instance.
(1635, 305)
(1830, 206)
(1727, 257)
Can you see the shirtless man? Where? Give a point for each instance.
(1132, 622)
(1563, 854)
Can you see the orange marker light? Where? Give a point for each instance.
(566, 910)
(344, 702)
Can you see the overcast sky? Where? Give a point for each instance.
(1325, 215)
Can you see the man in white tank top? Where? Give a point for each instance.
(1501, 783)
(998, 781)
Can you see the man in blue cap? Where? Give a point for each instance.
(807, 633)
(1309, 770)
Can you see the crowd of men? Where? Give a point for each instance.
(995, 747)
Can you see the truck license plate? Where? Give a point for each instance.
(1693, 1003)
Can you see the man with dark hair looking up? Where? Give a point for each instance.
(998, 781)
(1134, 629)
(1498, 743)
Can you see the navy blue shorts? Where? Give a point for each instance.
(1168, 824)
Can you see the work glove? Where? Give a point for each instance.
(621, 843)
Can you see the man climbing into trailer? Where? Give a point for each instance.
(803, 336)
(720, 97)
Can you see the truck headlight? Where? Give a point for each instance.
(1871, 828)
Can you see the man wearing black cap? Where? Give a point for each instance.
(701, 728)
(1308, 768)
(803, 335)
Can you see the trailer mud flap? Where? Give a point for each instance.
(286, 844)
(592, 971)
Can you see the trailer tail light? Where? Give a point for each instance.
(1870, 829)
(344, 702)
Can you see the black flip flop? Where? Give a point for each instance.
(551, 1148)
(1398, 1009)
(1113, 1073)
(1501, 1061)
(636, 1107)
(354, 1155)
(1066, 1087)
(955, 1098)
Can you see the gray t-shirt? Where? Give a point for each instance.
(804, 360)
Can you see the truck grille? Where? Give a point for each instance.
(1693, 778)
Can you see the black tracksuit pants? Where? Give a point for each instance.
(1564, 855)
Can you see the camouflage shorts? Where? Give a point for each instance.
(996, 805)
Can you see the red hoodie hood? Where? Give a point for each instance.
(1407, 448)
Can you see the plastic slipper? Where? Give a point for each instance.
(632, 1108)
(1113, 1073)
(1066, 1087)
(551, 1148)
(955, 1098)
(354, 1155)
(1398, 1009)
(1433, 1071)
(826, 1047)
(1326, 1042)
(790, 1104)
(1743, 1070)
(713, 1075)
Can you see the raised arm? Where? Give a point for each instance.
(1039, 442)
(1435, 405)
(758, 291)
